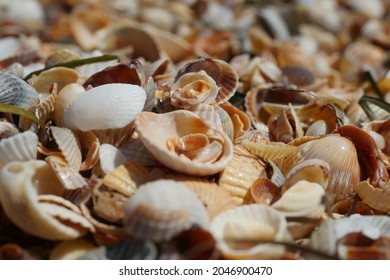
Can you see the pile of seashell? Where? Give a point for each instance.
(193, 129)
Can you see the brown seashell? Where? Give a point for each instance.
(264, 191)
(241, 121)
(299, 76)
(222, 73)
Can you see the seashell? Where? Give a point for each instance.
(264, 191)
(71, 249)
(45, 109)
(215, 199)
(241, 121)
(68, 145)
(208, 113)
(218, 44)
(253, 135)
(127, 177)
(193, 88)
(7, 129)
(270, 151)
(20, 147)
(298, 76)
(128, 100)
(239, 175)
(108, 204)
(136, 150)
(277, 176)
(275, 23)
(332, 237)
(15, 91)
(130, 250)
(150, 89)
(221, 72)
(32, 186)
(116, 136)
(155, 130)
(87, 70)
(311, 170)
(61, 76)
(69, 177)
(121, 35)
(110, 158)
(317, 128)
(161, 209)
(226, 121)
(64, 99)
(90, 147)
(243, 232)
(61, 56)
(344, 170)
(376, 198)
(29, 13)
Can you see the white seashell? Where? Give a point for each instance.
(20, 147)
(163, 208)
(30, 196)
(252, 224)
(105, 107)
(28, 12)
(64, 98)
(110, 157)
(156, 131)
(68, 145)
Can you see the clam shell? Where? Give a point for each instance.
(62, 76)
(239, 175)
(15, 91)
(109, 106)
(243, 232)
(20, 147)
(155, 130)
(221, 72)
(163, 208)
(326, 238)
(24, 185)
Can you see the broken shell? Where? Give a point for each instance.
(376, 198)
(193, 88)
(20, 147)
(15, 91)
(243, 232)
(163, 208)
(239, 175)
(220, 71)
(156, 130)
(23, 183)
(109, 106)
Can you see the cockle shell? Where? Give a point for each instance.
(243, 232)
(109, 106)
(163, 208)
(239, 175)
(30, 197)
(328, 236)
(221, 72)
(15, 91)
(157, 130)
(193, 88)
(20, 147)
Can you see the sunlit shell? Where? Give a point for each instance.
(221, 72)
(344, 171)
(243, 232)
(376, 198)
(109, 106)
(23, 183)
(327, 238)
(20, 147)
(15, 91)
(67, 143)
(64, 99)
(193, 88)
(239, 175)
(127, 177)
(317, 128)
(305, 200)
(155, 130)
(271, 150)
(163, 208)
(61, 56)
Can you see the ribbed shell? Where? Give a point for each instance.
(15, 91)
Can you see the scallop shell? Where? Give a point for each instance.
(221, 72)
(109, 106)
(243, 232)
(163, 208)
(239, 175)
(20, 147)
(127, 177)
(193, 88)
(327, 238)
(155, 130)
(15, 91)
(24, 186)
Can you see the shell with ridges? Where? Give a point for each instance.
(163, 208)
(270, 151)
(68, 144)
(155, 130)
(61, 56)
